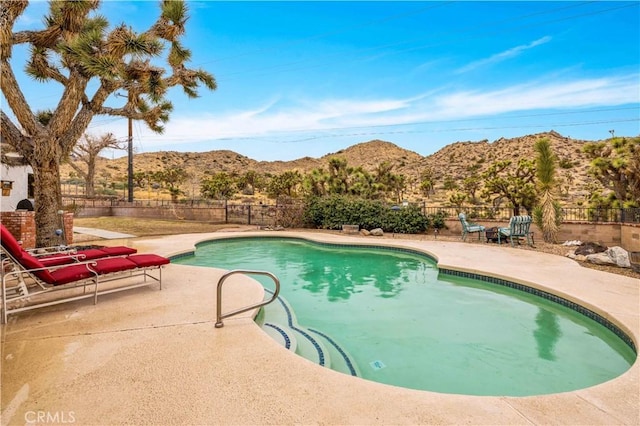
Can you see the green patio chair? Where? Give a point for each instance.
(518, 228)
(469, 227)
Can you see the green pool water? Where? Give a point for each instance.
(406, 325)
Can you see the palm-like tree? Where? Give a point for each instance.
(76, 50)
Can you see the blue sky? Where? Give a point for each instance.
(302, 79)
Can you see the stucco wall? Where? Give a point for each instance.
(630, 237)
(20, 191)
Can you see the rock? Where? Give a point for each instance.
(601, 258)
(272, 228)
(377, 232)
(619, 256)
(364, 232)
(590, 248)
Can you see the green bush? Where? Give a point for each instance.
(334, 211)
(436, 220)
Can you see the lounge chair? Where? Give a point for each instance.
(62, 255)
(25, 277)
(518, 228)
(73, 255)
(469, 227)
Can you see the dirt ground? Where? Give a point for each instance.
(154, 227)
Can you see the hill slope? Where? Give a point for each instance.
(456, 160)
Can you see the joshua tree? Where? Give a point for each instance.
(172, 178)
(514, 183)
(427, 182)
(547, 212)
(616, 164)
(77, 51)
(86, 151)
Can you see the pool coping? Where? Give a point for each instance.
(259, 382)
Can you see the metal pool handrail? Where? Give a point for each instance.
(220, 316)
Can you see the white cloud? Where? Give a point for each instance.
(541, 95)
(278, 117)
(502, 56)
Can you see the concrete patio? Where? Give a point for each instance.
(154, 357)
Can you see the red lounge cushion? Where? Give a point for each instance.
(71, 273)
(147, 260)
(112, 264)
(56, 260)
(90, 254)
(30, 262)
(118, 250)
(87, 254)
(10, 244)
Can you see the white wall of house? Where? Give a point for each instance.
(19, 175)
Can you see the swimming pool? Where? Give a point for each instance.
(406, 325)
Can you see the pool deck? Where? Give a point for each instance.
(146, 356)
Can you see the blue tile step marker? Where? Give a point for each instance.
(279, 321)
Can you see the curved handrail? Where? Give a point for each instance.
(220, 316)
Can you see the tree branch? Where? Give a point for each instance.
(14, 137)
(11, 10)
(16, 100)
(69, 102)
(83, 118)
(78, 169)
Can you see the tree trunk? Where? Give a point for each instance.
(48, 201)
(90, 190)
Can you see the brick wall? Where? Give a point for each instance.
(22, 224)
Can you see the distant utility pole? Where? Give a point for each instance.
(130, 161)
(129, 153)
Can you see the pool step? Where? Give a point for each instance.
(340, 359)
(278, 320)
(300, 341)
(281, 334)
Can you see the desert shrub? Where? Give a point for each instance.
(565, 163)
(436, 220)
(334, 211)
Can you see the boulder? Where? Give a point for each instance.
(377, 232)
(364, 232)
(590, 248)
(619, 256)
(601, 258)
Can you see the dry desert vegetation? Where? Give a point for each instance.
(455, 162)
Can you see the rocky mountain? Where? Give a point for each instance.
(456, 160)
